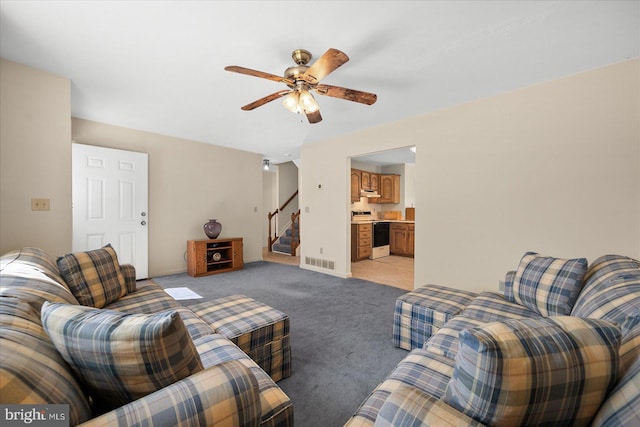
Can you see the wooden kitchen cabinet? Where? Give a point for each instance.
(411, 239)
(388, 186)
(402, 239)
(365, 180)
(213, 256)
(375, 181)
(355, 185)
(398, 239)
(361, 240)
(389, 189)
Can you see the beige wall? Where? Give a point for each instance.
(553, 168)
(189, 182)
(35, 158)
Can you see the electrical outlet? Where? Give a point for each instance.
(39, 204)
(501, 285)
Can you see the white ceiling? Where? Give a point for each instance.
(158, 66)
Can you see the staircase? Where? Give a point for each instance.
(283, 244)
(288, 242)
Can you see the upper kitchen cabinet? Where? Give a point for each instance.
(375, 181)
(369, 180)
(389, 189)
(365, 180)
(387, 185)
(355, 185)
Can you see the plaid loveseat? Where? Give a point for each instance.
(220, 385)
(577, 352)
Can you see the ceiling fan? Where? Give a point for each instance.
(302, 80)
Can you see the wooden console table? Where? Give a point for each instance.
(213, 256)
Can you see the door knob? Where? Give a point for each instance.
(143, 214)
(143, 222)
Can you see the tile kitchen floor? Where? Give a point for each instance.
(391, 270)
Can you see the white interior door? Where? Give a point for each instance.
(110, 203)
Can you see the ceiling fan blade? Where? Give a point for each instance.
(262, 101)
(348, 94)
(314, 117)
(255, 73)
(332, 59)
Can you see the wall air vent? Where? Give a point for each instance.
(319, 262)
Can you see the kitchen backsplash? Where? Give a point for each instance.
(362, 205)
(377, 210)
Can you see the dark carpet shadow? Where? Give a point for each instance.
(341, 332)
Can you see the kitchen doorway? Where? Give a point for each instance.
(371, 204)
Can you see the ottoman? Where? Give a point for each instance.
(420, 313)
(259, 330)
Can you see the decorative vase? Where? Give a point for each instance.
(212, 228)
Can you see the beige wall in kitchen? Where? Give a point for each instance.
(35, 158)
(553, 168)
(189, 183)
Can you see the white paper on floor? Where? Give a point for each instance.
(182, 293)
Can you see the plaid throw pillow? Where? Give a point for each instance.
(31, 369)
(546, 371)
(121, 357)
(548, 285)
(93, 277)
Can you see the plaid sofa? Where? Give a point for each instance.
(230, 389)
(419, 392)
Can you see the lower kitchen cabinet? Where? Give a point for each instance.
(361, 235)
(402, 239)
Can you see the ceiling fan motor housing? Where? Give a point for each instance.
(301, 57)
(296, 72)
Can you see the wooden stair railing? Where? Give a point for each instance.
(295, 223)
(273, 214)
(272, 240)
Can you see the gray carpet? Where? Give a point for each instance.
(340, 333)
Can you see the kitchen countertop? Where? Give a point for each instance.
(371, 221)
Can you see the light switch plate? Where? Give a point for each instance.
(40, 204)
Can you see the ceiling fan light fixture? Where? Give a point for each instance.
(307, 102)
(291, 102)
